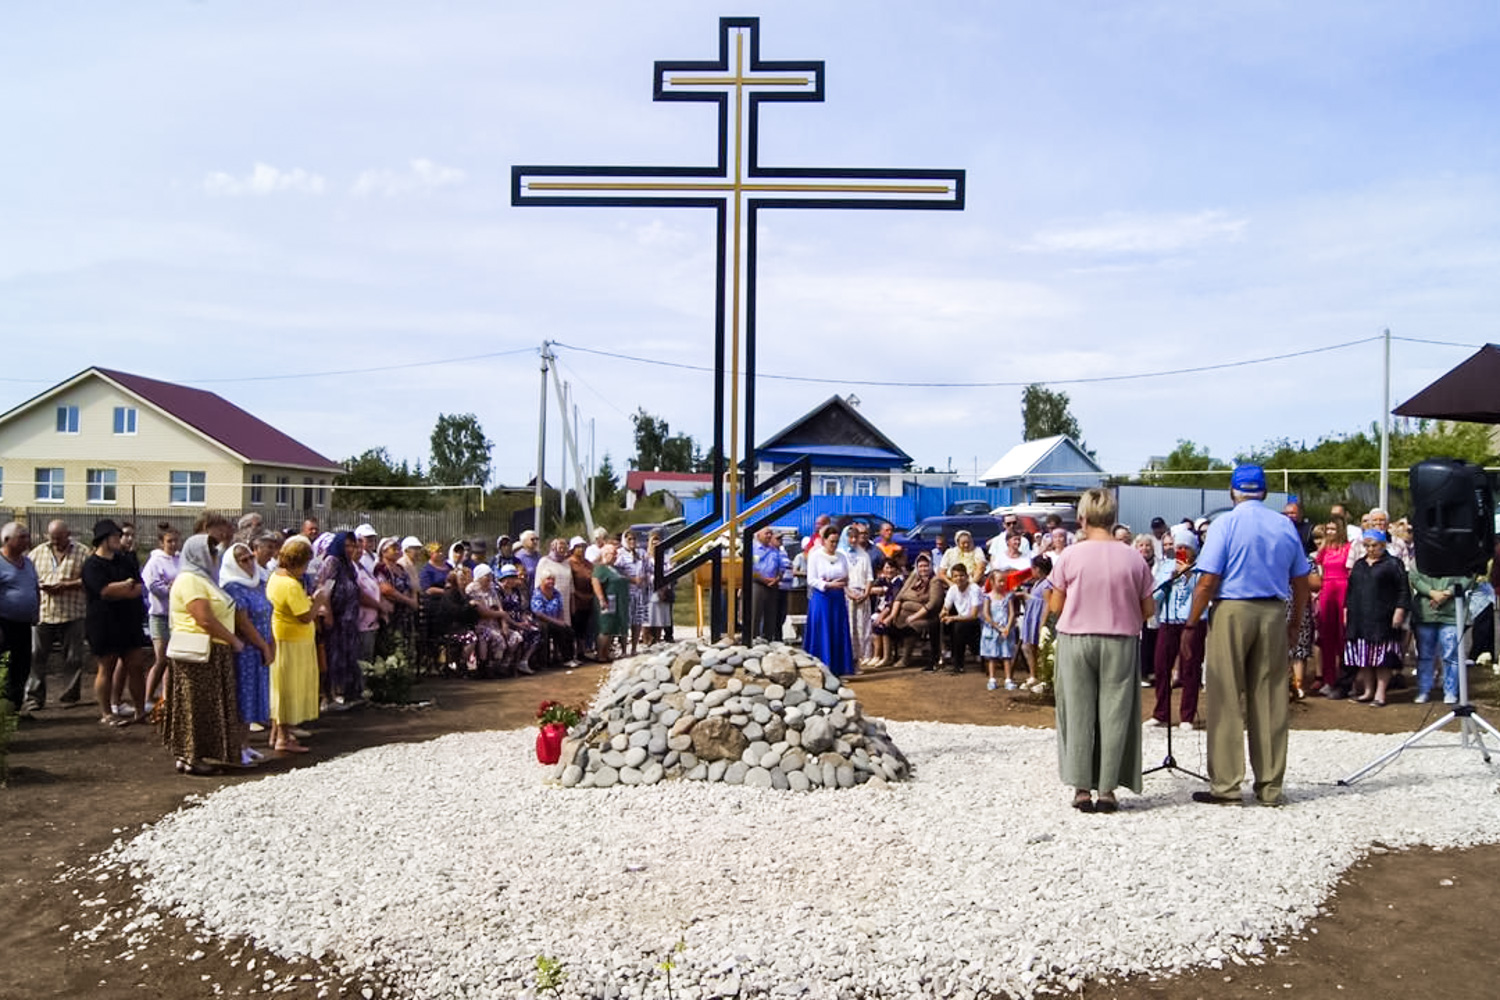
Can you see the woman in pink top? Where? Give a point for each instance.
(1331, 559)
(1102, 596)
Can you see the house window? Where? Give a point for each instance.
(2, 482)
(189, 487)
(102, 485)
(67, 420)
(832, 486)
(257, 489)
(322, 493)
(124, 420)
(49, 485)
(864, 487)
(307, 492)
(283, 492)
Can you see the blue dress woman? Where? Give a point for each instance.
(345, 679)
(240, 579)
(827, 635)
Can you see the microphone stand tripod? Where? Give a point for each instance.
(1169, 762)
(1470, 723)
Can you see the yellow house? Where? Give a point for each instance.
(107, 440)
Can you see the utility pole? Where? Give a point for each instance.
(541, 442)
(1385, 430)
(593, 462)
(563, 391)
(570, 448)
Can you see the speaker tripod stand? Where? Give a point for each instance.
(1471, 725)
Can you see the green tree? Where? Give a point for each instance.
(605, 485)
(1045, 413)
(1189, 457)
(460, 451)
(657, 449)
(375, 467)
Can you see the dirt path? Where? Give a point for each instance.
(1392, 928)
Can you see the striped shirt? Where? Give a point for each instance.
(65, 605)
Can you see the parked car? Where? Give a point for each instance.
(920, 539)
(970, 507)
(869, 520)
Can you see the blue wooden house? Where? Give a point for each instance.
(851, 457)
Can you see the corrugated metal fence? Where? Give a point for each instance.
(916, 503)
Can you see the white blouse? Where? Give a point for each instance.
(823, 568)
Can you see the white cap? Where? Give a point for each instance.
(366, 531)
(411, 542)
(481, 571)
(576, 541)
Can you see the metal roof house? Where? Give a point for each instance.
(1053, 464)
(105, 439)
(850, 455)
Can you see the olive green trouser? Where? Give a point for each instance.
(1246, 672)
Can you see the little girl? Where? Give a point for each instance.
(996, 642)
(884, 592)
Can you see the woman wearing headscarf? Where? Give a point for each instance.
(201, 715)
(663, 594)
(294, 671)
(630, 562)
(240, 578)
(964, 551)
(827, 635)
(495, 642)
(341, 639)
(857, 592)
(399, 629)
(919, 603)
(581, 567)
(1374, 613)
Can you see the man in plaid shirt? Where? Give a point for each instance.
(59, 569)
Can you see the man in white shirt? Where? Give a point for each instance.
(960, 617)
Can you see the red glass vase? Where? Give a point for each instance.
(549, 742)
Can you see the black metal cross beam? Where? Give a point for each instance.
(736, 188)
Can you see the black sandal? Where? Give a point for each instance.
(1083, 802)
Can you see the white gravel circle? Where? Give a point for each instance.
(447, 867)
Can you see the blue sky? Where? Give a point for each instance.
(211, 191)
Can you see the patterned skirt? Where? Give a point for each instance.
(1362, 654)
(1302, 648)
(201, 709)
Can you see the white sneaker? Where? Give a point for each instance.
(1185, 725)
(1011, 685)
(1420, 699)
(1155, 723)
(1450, 699)
(991, 684)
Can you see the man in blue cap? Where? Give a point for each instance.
(1252, 562)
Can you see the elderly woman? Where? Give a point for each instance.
(857, 592)
(919, 603)
(202, 715)
(827, 636)
(239, 575)
(1175, 594)
(611, 590)
(581, 569)
(294, 670)
(341, 638)
(495, 642)
(398, 631)
(1378, 602)
(630, 562)
(663, 594)
(1102, 597)
(963, 551)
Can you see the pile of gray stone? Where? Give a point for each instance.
(767, 715)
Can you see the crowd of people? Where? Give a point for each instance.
(239, 629)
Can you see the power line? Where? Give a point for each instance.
(1439, 343)
(982, 385)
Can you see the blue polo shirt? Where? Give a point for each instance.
(768, 560)
(20, 600)
(1256, 551)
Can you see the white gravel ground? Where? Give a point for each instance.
(446, 868)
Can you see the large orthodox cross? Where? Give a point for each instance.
(736, 188)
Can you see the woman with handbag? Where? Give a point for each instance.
(201, 713)
(294, 671)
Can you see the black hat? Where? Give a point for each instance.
(103, 529)
(1158, 522)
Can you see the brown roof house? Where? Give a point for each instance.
(107, 439)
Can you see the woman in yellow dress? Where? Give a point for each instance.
(294, 672)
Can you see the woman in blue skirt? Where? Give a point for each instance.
(827, 635)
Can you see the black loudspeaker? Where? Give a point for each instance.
(1453, 517)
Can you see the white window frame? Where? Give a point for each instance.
(189, 481)
(283, 491)
(831, 486)
(102, 486)
(125, 420)
(864, 486)
(322, 492)
(67, 419)
(257, 489)
(57, 488)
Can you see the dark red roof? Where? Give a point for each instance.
(635, 479)
(219, 419)
(1466, 393)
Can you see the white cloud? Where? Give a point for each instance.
(421, 175)
(264, 179)
(1121, 233)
